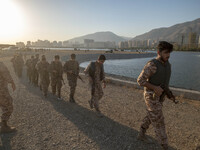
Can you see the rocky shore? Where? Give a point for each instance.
(48, 124)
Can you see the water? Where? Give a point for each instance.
(62, 48)
(185, 69)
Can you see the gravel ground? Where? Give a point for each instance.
(50, 124)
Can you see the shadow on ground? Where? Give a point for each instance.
(105, 132)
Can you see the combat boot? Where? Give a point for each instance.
(164, 146)
(71, 99)
(142, 137)
(5, 128)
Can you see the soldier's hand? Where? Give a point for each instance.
(158, 90)
(13, 86)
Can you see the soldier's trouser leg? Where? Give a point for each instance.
(145, 123)
(155, 116)
(7, 107)
(36, 78)
(72, 84)
(98, 94)
(45, 89)
(53, 87)
(72, 91)
(58, 86)
(157, 120)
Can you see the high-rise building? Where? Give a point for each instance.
(88, 42)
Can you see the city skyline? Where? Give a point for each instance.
(63, 20)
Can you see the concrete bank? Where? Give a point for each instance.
(184, 93)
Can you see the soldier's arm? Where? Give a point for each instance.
(86, 71)
(149, 69)
(5, 74)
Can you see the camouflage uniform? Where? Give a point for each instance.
(73, 66)
(154, 106)
(28, 66)
(43, 70)
(35, 75)
(5, 98)
(13, 62)
(32, 69)
(96, 84)
(56, 71)
(19, 65)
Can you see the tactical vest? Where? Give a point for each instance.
(92, 71)
(162, 75)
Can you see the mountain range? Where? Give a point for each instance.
(173, 34)
(100, 37)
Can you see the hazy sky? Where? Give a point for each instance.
(65, 19)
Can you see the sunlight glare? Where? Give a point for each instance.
(12, 20)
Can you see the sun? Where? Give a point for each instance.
(12, 23)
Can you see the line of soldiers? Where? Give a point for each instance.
(52, 74)
(42, 74)
(156, 72)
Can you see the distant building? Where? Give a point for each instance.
(130, 44)
(97, 45)
(20, 44)
(149, 42)
(28, 44)
(87, 42)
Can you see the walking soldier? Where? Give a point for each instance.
(56, 71)
(71, 68)
(155, 74)
(43, 70)
(96, 74)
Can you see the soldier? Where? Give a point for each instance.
(5, 98)
(13, 62)
(35, 74)
(156, 73)
(19, 65)
(71, 68)
(28, 66)
(43, 70)
(56, 71)
(32, 69)
(96, 74)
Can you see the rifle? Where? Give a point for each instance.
(81, 78)
(168, 93)
(77, 76)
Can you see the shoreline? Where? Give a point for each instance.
(84, 56)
